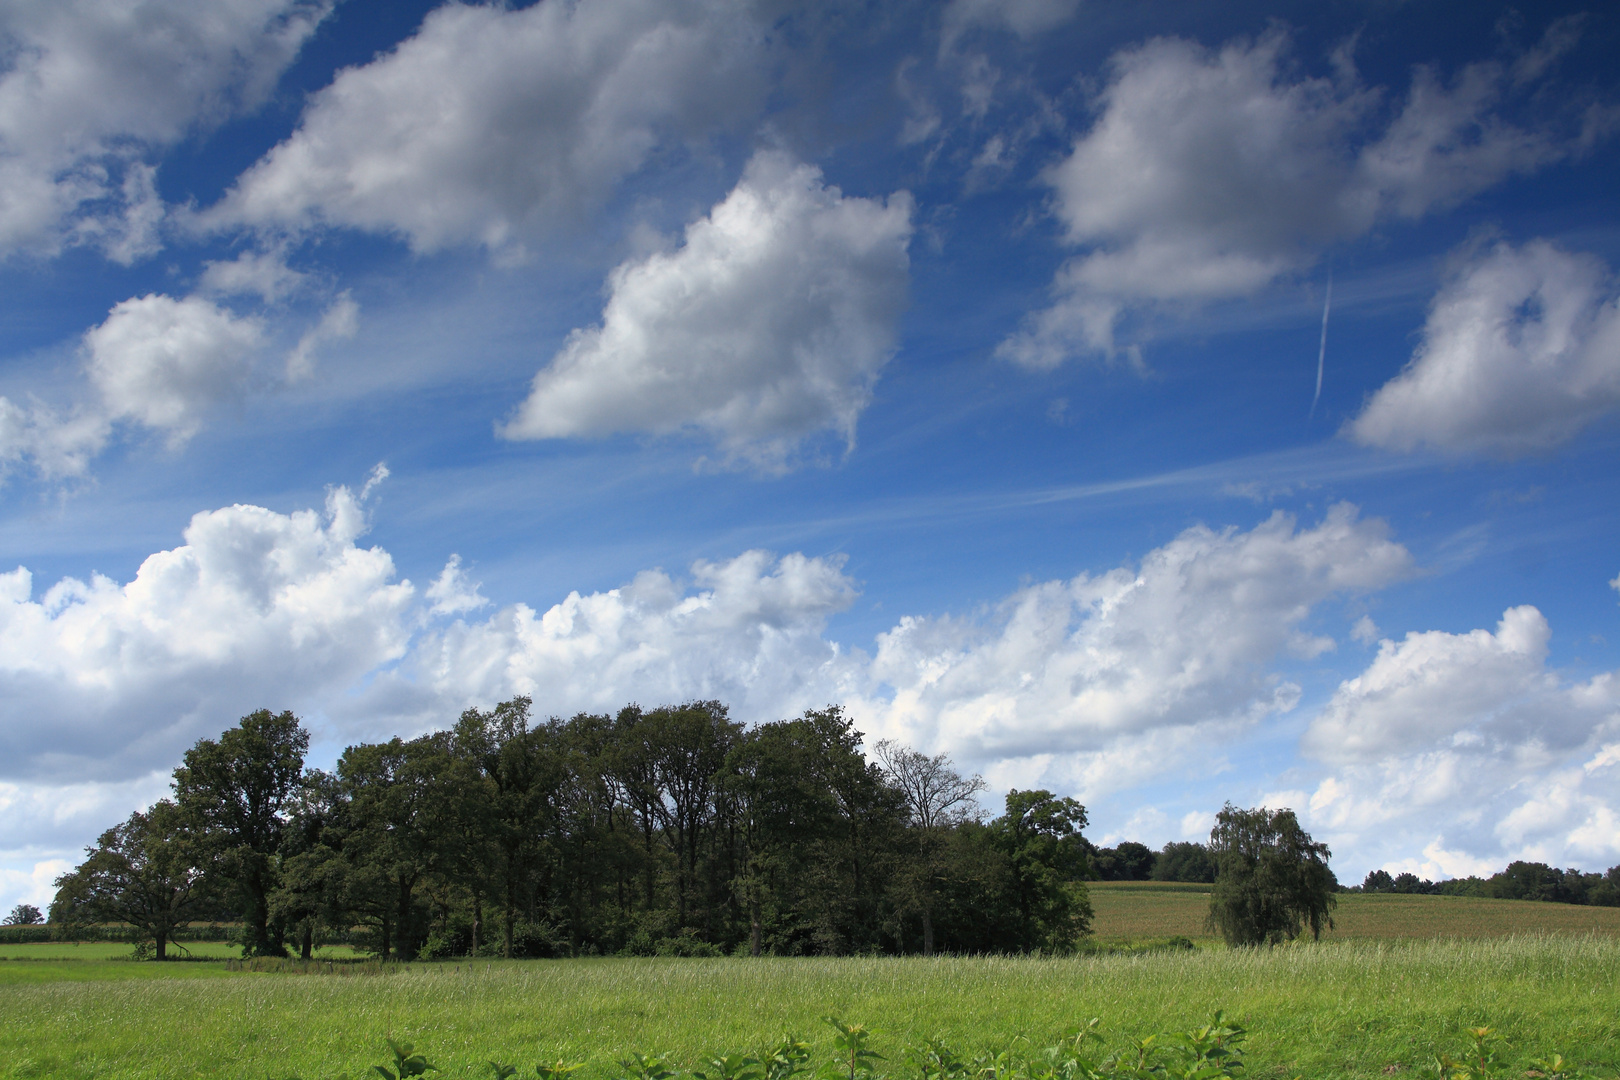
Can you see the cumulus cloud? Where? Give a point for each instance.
(100, 679)
(1129, 661)
(90, 87)
(748, 630)
(1208, 174)
(1521, 351)
(163, 362)
(769, 323)
(1468, 747)
(1093, 683)
(492, 125)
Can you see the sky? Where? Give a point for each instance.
(1163, 404)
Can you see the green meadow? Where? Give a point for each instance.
(1354, 1008)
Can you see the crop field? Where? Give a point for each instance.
(1128, 911)
(1348, 1009)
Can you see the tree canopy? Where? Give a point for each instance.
(665, 830)
(1271, 881)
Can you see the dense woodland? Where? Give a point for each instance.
(665, 831)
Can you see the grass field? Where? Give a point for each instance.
(116, 950)
(1133, 910)
(1350, 1009)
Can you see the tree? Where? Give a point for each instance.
(1378, 881)
(24, 915)
(395, 808)
(1272, 880)
(1129, 861)
(937, 799)
(1040, 834)
(1184, 862)
(144, 872)
(233, 794)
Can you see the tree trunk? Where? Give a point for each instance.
(753, 925)
(478, 921)
(928, 929)
(407, 948)
(510, 919)
(162, 945)
(306, 947)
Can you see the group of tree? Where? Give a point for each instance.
(1176, 861)
(669, 830)
(1520, 881)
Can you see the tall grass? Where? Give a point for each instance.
(1338, 1010)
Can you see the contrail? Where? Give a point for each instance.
(1321, 352)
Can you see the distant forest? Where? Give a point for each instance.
(668, 831)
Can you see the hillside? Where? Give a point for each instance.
(1147, 909)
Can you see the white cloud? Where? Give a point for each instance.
(89, 87)
(164, 362)
(339, 322)
(1208, 174)
(770, 323)
(1467, 747)
(100, 680)
(1082, 666)
(493, 125)
(452, 592)
(57, 445)
(1026, 18)
(264, 274)
(1433, 686)
(1521, 351)
(747, 631)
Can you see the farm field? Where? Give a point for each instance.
(118, 950)
(1348, 1009)
(1131, 910)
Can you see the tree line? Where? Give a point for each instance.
(666, 831)
(1519, 881)
(669, 830)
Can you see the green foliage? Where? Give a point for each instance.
(648, 1066)
(785, 1058)
(232, 794)
(1272, 879)
(407, 1062)
(852, 1052)
(559, 1069)
(143, 874)
(1178, 861)
(25, 915)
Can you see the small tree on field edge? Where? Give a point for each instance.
(1272, 880)
(24, 915)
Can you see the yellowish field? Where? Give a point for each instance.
(1132, 910)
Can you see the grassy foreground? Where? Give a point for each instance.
(1341, 1010)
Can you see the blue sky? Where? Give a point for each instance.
(955, 362)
